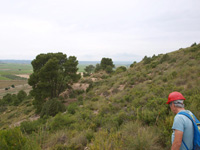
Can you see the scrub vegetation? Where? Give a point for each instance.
(122, 109)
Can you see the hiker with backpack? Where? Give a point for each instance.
(186, 135)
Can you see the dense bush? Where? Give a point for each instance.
(7, 99)
(21, 95)
(52, 107)
(31, 126)
(61, 121)
(71, 108)
(12, 139)
(120, 69)
(3, 108)
(164, 58)
(138, 137)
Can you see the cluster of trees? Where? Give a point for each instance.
(13, 99)
(106, 65)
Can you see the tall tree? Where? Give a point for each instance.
(52, 74)
(107, 64)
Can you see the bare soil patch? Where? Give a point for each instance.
(80, 86)
(23, 75)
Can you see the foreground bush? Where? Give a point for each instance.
(61, 121)
(12, 139)
(138, 137)
(32, 126)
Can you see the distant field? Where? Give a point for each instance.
(10, 71)
(14, 74)
(81, 68)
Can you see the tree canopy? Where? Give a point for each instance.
(106, 65)
(52, 74)
(105, 62)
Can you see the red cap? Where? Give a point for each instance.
(175, 96)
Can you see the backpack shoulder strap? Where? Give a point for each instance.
(192, 118)
(196, 130)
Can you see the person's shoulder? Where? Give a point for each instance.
(179, 116)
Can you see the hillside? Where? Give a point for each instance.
(122, 111)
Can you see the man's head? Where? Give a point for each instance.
(175, 100)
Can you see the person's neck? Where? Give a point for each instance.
(179, 109)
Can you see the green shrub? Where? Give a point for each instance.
(71, 108)
(120, 69)
(89, 135)
(2, 109)
(165, 130)
(147, 60)
(16, 101)
(31, 126)
(194, 44)
(138, 137)
(79, 141)
(80, 98)
(103, 140)
(21, 95)
(52, 107)
(61, 121)
(164, 58)
(133, 64)
(7, 99)
(12, 139)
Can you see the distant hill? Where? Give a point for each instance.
(16, 61)
(80, 62)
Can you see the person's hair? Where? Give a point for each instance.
(179, 103)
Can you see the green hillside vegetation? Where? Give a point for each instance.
(126, 110)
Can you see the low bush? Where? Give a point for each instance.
(12, 139)
(103, 140)
(2, 109)
(61, 121)
(21, 95)
(52, 107)
(71, 108)
(138, 137)
(31, 126)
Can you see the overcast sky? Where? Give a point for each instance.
(124, 30)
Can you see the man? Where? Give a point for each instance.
(183, 130)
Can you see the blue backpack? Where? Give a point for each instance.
(196, 124)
